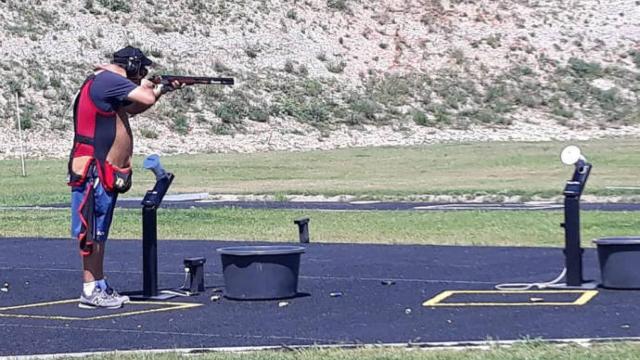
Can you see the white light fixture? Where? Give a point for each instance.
(571, 155)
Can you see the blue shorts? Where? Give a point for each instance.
(91, 209)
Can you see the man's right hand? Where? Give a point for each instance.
(146, 83)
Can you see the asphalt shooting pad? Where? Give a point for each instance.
(348, 294)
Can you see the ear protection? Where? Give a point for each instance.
(132, 67)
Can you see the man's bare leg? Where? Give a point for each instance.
(92, 272)
(92, 264)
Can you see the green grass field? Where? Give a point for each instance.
(521, 228)
(501, 169)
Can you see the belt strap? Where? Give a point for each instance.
(83, 139)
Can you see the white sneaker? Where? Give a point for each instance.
(113, 293)
(99, 300)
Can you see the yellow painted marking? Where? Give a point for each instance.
(169, 306)
(585, 297)
(588, 295)
(436, 300)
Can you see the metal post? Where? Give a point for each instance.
(572, 249)
(24, 170)
(303, 229)
(149, 252)
(150, 204)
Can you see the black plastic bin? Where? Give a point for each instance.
(260, 272)
(619, 259)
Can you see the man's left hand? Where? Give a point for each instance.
(175, 85)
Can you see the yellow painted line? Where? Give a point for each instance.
(48, 303)
(585, 297)
(169, 307)
(438, 298)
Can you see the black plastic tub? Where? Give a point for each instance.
(260, 272)
(619, 259)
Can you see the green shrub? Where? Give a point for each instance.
(220, 67)
(116, 5)
(59, 125)
(252, 50)
(440, 115)
(364, 108)
(562, 111)
(289, 67)
(458, 56)
(340, 5)
(156, 53)
(258, 113)
(223, 129)
(420, 118)
(188, 95)
(55, 82)
(389, 90)
(609, 99)
(486, 116)
(635, 56)
(227, 113)
(27, 116)
(312, 87)
(336, 67)
(15, 87)
(315, 113)
(584, 69)
(148, 133)
(303, 70)
(180, 124)
(495, 41)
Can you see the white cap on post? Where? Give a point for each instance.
(571, 155)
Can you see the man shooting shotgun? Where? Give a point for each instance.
(99, 166)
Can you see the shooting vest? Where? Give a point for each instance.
(95, 132)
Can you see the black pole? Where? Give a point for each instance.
(303, 229)
(573, 250)
(150, 204)
(149, 252)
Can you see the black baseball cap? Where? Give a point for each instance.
(123, 55)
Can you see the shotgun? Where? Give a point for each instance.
(191, 80)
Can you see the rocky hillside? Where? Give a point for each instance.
(331, 73)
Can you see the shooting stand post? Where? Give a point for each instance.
(194, 266)
(572, 249)
(150, 204)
